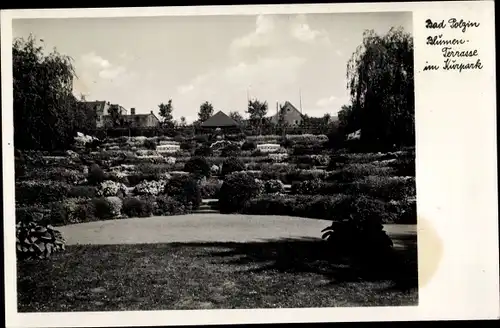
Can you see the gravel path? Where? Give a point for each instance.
(201, 228)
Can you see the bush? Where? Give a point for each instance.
(203, 150)
(231, 150)
(150, 144)
(111, 188)
(96, 175)
(37, 241)
(41, 192)
(308, 187)
(210, 189)
(116, 205)
(359, 234)
(185, 189)
(274, 186)
(103, 209)
(230, 165)
(248, 145)
(137, 207)
(82, 191)
(198, 166)
(404, 167)
(336, 161)
(187, 145)
(166, 205)
(151, 188)
(32, 214)
(237, 189)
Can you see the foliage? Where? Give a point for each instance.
(112, 188)
(116, 205)
(230, 150)
(102, 208)
(274, 186)
(237, 189)
(166, 112)
(150, 144)
(46, 114)
(257, 111)
(359, 233)
(40, 191)
(203, 150)
(166, 205)
(185, 189)
(236, 116)
(96, 175)
(206, 111)
(137, 207)
(37, 241)
(210, 189)
(151, 188)
(230, 165)
(249, 145)
(380, 79)
(198, 166)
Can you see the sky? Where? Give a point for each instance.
(141, 62)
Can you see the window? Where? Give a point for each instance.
(288, 109)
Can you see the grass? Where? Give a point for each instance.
(271, 274)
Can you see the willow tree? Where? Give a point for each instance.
(380, 79)
(46, 113)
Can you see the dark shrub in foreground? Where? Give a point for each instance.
(358, 234)
(203, 150)
(83, 191)
(237, 189)
(248, 145)
(137, 207)
(199, 166)
(230, 165)
(103, 208)
(185, 189)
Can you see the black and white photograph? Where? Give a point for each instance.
(215, 162)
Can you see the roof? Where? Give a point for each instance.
(219, 120)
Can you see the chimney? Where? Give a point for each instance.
(132, 111)
(151, 112)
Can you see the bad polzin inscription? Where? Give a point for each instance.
(456, 52)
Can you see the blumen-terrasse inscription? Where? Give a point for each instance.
(457, 55)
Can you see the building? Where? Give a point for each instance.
(292, 116)
(220, 120)
(142, 120)
(102, 110)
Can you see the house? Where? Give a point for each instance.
(102, 109)
(141, 120)
(292, 116)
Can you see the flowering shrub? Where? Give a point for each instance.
(278, 157)
(214, 169)
(37, 241)
(116, 205)
(274, 186)
(111, 188)
(170, 160)
(152, 188)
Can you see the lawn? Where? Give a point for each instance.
(210, 275)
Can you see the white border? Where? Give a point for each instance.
(456, 180)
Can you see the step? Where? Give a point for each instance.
(209, 200)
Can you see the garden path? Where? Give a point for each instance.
(211, 227)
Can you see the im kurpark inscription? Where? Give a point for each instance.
(456, 53)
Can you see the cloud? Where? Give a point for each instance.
(97, 66)
(279, 34)
(183, 89)
(325, 102)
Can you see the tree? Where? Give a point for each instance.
(182, 121)
(116, 117)
(380, 79)
(236, 116)
(206, 111)
(257, 111)
(166, 112)
(282, 123)
(46, 113)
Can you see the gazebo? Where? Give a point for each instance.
(220, 122)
